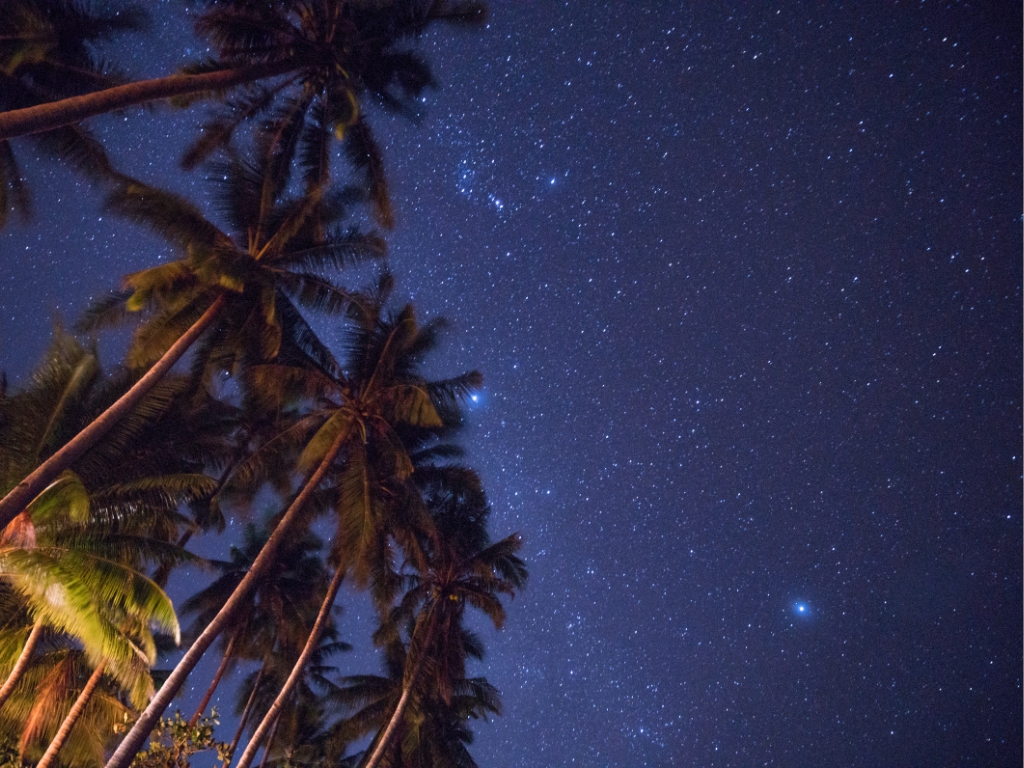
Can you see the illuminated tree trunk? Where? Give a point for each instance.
(396, 718)
(293, 679)
(22, 663)
(25, 491)
(69, 722)
(215, 682)
(74, 109)
(245, 715)
(135, 738)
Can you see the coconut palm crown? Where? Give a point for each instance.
(48, 51)
(305, 67)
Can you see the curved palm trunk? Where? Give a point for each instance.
(215, 682)
(396, 718)
(293, 679)
(245, 716)
(23, 493)
(74, 109)
(22, 663)
(133, 741)
(69, 722)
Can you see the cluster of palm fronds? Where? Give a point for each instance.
(227, 400)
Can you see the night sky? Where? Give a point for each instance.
(745, 287)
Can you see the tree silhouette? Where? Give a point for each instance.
(248, 284)
(47, 52)
(318, 60)
(462, 568)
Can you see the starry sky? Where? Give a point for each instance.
(745, 285)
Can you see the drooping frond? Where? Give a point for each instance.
(168, 215)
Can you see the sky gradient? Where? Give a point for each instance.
(745, 286)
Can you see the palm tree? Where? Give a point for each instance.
(75, 578)
(280, 606)
(46, 52)
(432, 732)
(349, 436)
(75, 555)
(53, 682)
(271, 718)
(463, 568)
(92, 529)
(136, 628)
(383, 351)
(83, 581)
(299, 729)
(320, 59)
(247, 284)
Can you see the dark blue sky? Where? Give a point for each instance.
(745, 286)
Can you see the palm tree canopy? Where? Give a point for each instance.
(314, 63)
(433, 732)
(370, 400)
(338, 53)
(47, 52)
(76, 554)
(30, 718)
(273, 261)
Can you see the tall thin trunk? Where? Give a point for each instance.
(293, 679)
(215, 682)
(270, 741)
(74, 109)
(22, 663)
(245, 715)
(378, 753)
(134, 739)
(69, 722)
(23, 493)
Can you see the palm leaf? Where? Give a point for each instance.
(170, 216)
(65, 498)
(316, 449)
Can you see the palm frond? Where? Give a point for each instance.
(170, 216)
(107, 312)
(365, 156)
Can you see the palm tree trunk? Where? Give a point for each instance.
(134, 739)
(22, 663)
(215, 682)
(55, 114)
(270, 741)
(69, 722)
(23, 493)
(245, 716)
(293, 679)
(378, 752)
